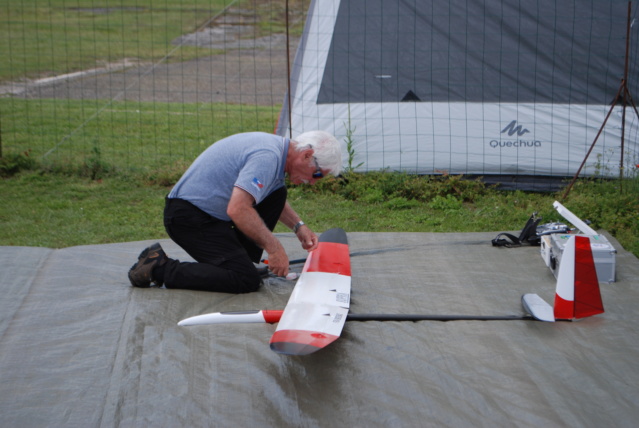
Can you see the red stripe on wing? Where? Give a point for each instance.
(329, 257)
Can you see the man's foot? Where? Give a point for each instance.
(140, 273)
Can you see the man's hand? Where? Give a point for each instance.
(245, 218)
(278, 262)
(307, 237)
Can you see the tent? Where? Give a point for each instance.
(475, 87)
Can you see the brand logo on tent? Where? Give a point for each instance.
(513, 128)
(510, 130)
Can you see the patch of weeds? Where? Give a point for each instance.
(166, 176)
(95, 167)
(372, 196)
(464, 189)
(381, 186)
(350, 144)
(400, 203)
(446, 203)
(12, 164)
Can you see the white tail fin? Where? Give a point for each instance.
(577, 294)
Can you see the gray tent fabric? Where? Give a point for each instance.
(540, 51)
(476, 87)
(80, 347)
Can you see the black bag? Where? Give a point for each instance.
(528, 235)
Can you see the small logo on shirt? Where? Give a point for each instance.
(257, 183)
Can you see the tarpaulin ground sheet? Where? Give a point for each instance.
(79, 347)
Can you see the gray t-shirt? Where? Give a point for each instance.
(253, 161)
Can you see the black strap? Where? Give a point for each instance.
(529, 232)
(511, 241)
(528, 235)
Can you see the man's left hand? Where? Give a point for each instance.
(308, 238)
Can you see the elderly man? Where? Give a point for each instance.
(223, 210)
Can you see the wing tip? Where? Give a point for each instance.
(537, 307)
(337, 235)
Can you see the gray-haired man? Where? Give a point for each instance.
(223, 210)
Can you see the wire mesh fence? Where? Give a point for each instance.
(480, 87)
(139, 83)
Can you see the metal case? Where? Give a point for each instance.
(604, 254)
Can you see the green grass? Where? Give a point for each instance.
(62, 36)
(121, 136)
(55, 210)
(44, 38)
(50, 210)
(383, 201)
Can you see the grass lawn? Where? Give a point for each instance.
(48, 210)
(56, 210)
(130, 137)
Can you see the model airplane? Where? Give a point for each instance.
(318, 307)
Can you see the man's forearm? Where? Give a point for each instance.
(289, 217)
(247, 219)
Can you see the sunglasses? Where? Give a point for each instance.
(318, 172)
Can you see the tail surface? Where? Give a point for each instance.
(577, 294)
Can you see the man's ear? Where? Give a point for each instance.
(308, 154)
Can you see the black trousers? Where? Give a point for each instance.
(224, 255)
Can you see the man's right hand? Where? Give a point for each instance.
(245, 218)
(278, 262)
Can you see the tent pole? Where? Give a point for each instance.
(288, 75)
(624, 94)
(592, 146)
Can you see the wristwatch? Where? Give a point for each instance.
(297, 226)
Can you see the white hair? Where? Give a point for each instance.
(327, 150)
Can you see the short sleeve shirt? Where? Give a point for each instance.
(252, 161)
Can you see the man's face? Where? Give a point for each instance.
(307, 170)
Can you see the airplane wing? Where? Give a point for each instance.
(316, 311)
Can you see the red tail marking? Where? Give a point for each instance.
(587, 295)
(564, 309)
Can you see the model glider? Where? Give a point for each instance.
(318, 307)
(316, 311)
(577, 294)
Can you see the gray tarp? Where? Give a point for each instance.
(79, 347)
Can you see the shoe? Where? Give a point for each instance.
(140, 273)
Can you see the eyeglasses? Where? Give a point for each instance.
(318, 172)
